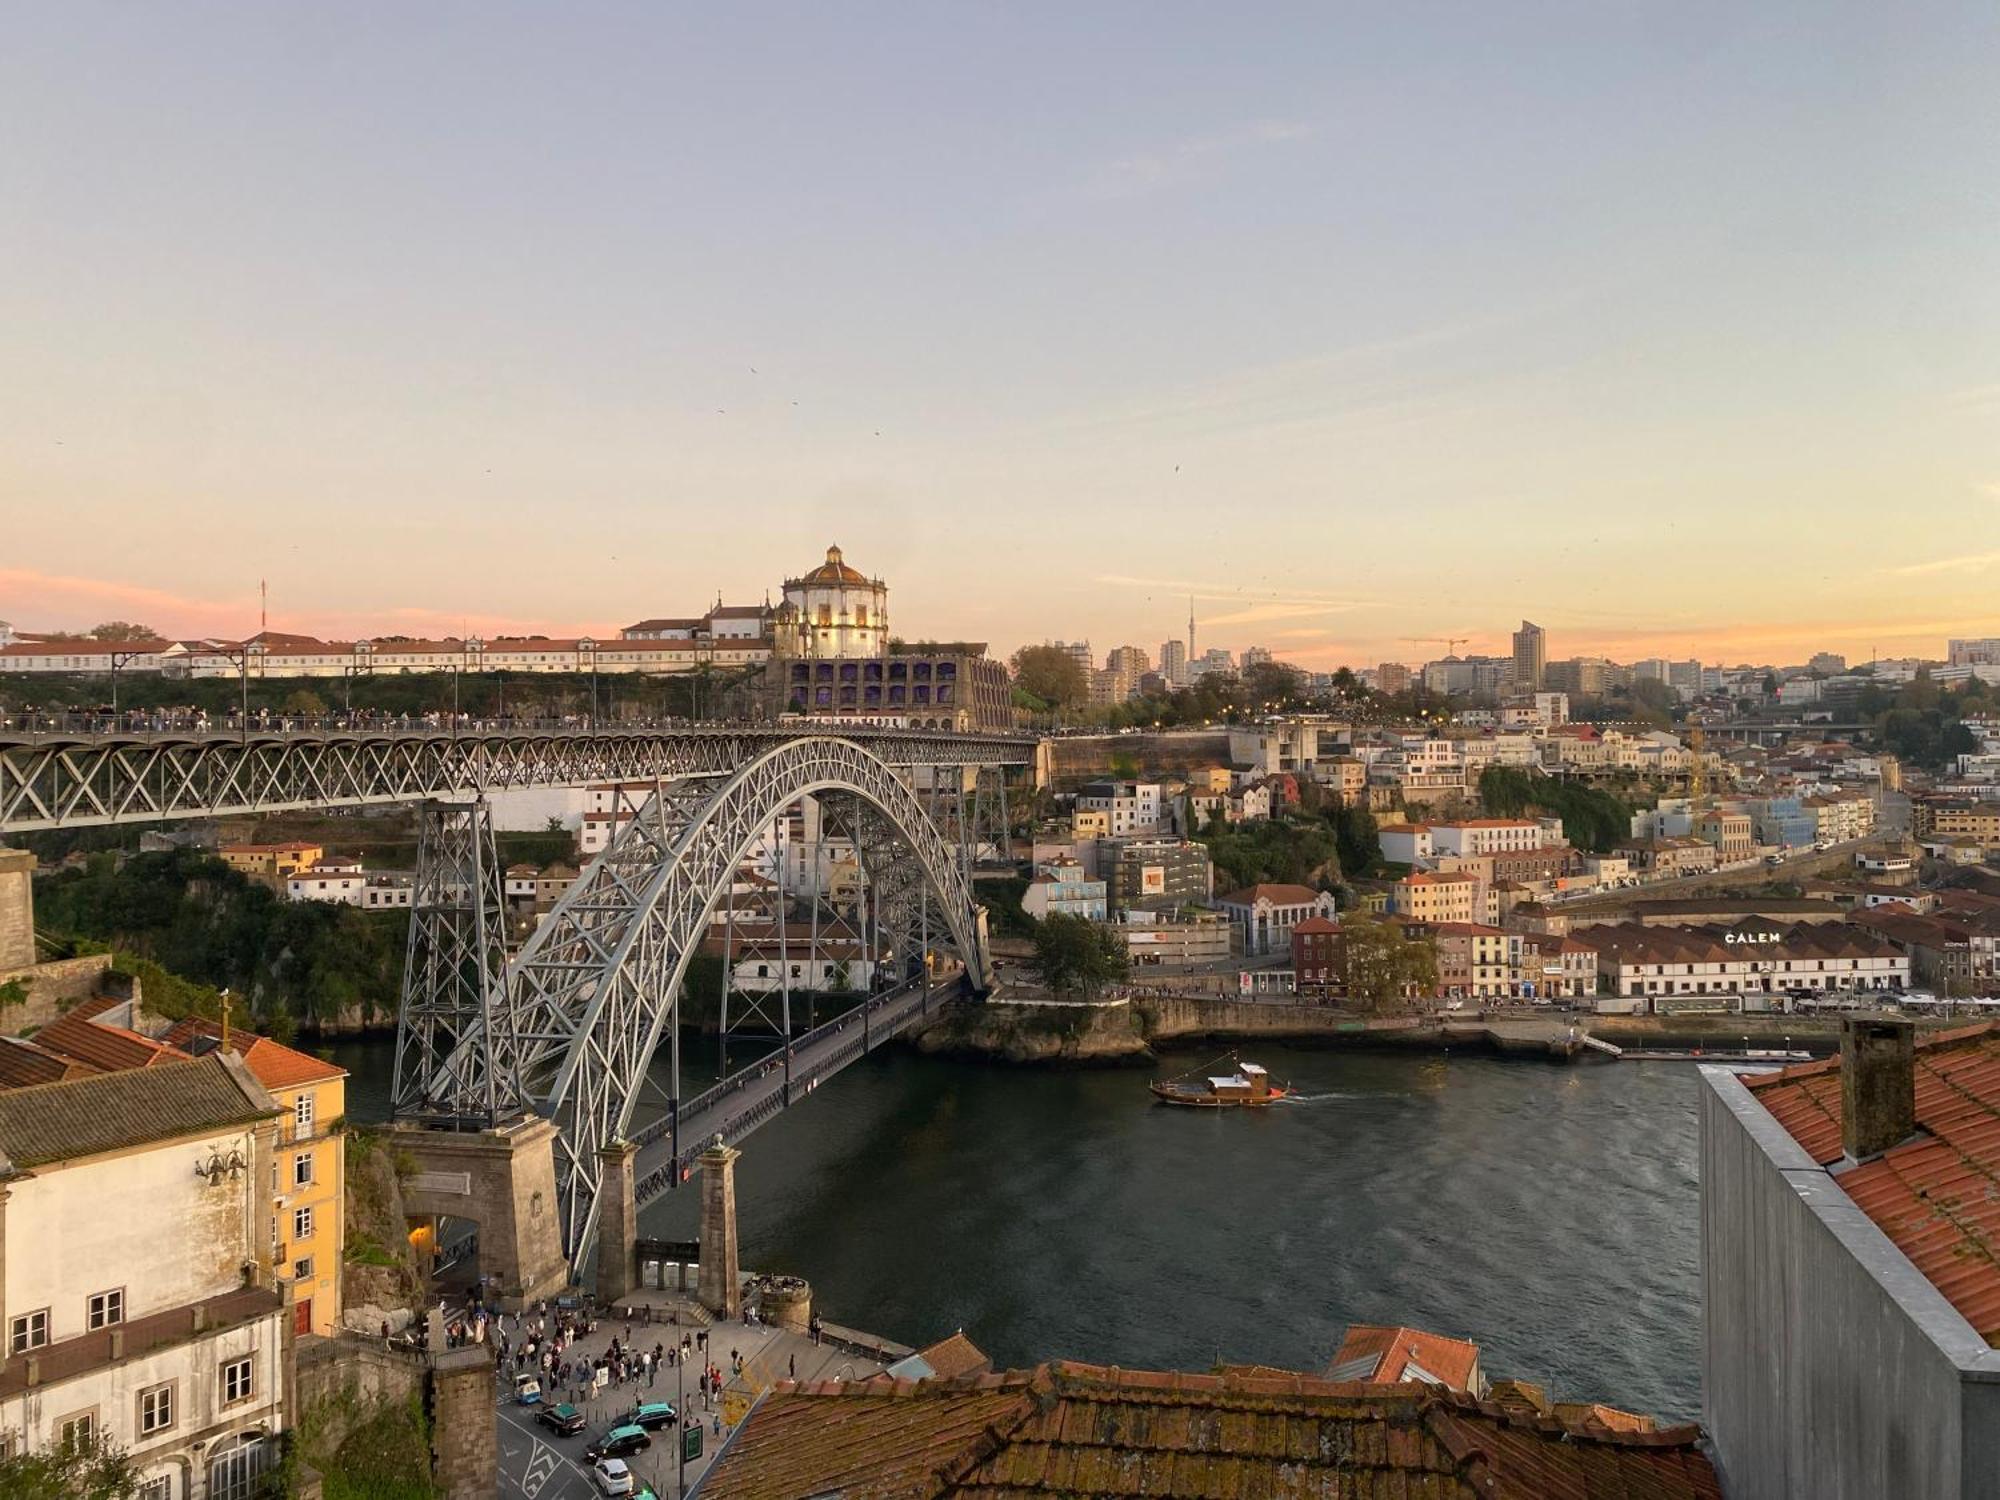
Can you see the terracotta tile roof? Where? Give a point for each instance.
(110, 1111)
(1277, 895)
(109, 1049)
(22, 1064)
(1937, 1196)
(1097, 1434)
(1384, 1356)
(954, 1356)
(274, 1065)
(1314, 925)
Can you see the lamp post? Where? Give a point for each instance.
(590, 646)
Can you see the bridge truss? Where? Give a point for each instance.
(69, 780)
(570, 1025)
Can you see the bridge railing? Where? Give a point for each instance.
(142, 723)
(889, 1011)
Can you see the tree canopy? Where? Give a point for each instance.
(1051, 675)
(1077, 955)
(69, 1471)
(1382, 966)
(1592, 819)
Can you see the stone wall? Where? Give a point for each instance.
(17, 909)
(54, 987)
(344, 1379)
(465, 1438)
(1076, 756)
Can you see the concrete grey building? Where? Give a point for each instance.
(1849, 1289)
(1155, 874)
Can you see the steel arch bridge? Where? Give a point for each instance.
(568, 1028)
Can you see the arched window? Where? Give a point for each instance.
(236, 1465)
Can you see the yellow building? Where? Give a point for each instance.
(309, 1197)
(1090, 823)
(271, 861)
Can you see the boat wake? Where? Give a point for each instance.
(1316, 1098)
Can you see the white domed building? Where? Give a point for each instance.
(834, 611)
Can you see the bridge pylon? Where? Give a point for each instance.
(454, 1062)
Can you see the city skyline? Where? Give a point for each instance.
(1671, 330)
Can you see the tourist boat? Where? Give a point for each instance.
(1249, 1087)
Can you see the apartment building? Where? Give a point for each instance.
(271, 862)
(1155, 874)
(1478, 836)
(137, 1287)
(1424, 897)
(1474, 961)
(1063, 888)
(1130, 807)
(1732, 834)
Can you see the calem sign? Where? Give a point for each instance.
(1752, 937)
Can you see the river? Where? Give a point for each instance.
(1549, 1213)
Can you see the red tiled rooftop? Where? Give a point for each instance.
(1937, 1196)
(1392, 1352)
(1100, 1434)
(273, 1064)
(110, 1049)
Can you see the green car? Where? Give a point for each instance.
(618, 1442)
(651, 1415)
(565, 1419)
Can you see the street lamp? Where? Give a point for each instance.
(589, 645)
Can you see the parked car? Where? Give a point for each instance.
(611, 1477)
(651, 1415)
(564, 1420)
(619, 1441)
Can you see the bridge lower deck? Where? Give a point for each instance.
(747, 1098)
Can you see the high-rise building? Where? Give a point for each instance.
(1974, 653)
(1531, 657)
(1079, 652)
(1829, 662)
(1130, 661)
(1392, 677)
(1255, 656)
(1174, 662)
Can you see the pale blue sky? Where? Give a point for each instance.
(1675, 327)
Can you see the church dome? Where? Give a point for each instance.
(833, 570)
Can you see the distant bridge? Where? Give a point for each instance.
(72, 778)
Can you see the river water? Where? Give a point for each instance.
(1548, 1213)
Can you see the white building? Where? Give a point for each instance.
(1133, 807)
(1263, 749)
(834, 611)
(139, 1300)
(1479, 836)
(335, 879)
(1405, 843)
(1264, 915)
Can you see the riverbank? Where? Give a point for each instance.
(1135, 1031)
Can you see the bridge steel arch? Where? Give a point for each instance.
(588, 997)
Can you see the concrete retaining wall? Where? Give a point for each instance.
(1831, 1367)
(349, 1377)
(1073, 756)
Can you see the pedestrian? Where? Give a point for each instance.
(795, 1367)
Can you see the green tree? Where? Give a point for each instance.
(303, 701)
(1382, 966)
(124, 630)
(1075, 954)
(1355, 838)
(1052, 675)
(69, 1471)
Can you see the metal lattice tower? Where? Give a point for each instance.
(453, 1061)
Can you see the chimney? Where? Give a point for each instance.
(1878, 1084)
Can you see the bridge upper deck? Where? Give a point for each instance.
(76, 771)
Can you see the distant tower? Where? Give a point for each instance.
(1531, 655)
(1190, 629)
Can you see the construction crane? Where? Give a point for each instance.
(1451, 642)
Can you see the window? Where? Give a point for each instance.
(107, 1308)
(302, 1116)
(302, 1169)
(156, 1409)
(302, 1223)
(302, 1269)
(237, 1381)
(28, 1331)
(233, 1472)
(78, 1431)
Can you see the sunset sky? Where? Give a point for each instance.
(1674, 327)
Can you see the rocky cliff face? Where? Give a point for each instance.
(1038, 1033)
(379, 1277)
